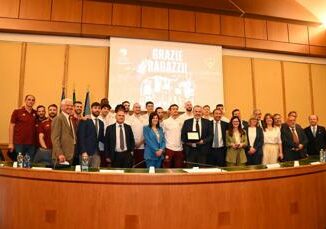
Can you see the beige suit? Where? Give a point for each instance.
(62, 138)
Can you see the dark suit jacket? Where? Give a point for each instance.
(315, 144)
(110, 140)
(259, 141)
(288, 144)
(206, 134)
(87, 136)
(224, 128)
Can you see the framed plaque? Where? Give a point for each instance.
(193, 136)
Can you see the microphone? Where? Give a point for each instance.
(139, 163)
(198, 164)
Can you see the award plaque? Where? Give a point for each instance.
(193, 136)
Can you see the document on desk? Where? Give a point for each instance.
(273, 166)
(204, 170)
(112, 171)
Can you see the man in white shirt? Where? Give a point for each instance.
(174, 155)
(188, 113)
(107, 118)
(137, 123)
(207, 112)
(217, 153)
(126, 105)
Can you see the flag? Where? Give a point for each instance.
(63, 94)
(87, 105)
(74, 96)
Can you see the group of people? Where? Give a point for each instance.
(125, 138)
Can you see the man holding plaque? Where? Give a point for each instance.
(197, 136)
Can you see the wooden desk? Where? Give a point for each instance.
(280, 198)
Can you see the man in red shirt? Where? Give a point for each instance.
(22, 131)
(44, 153)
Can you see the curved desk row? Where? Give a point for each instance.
(293, 197)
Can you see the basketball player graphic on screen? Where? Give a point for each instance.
(166, 90)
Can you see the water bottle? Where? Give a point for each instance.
(27, 161)
(84, 163)
(20, 160)
(322, 155)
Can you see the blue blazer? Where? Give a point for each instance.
(151, 143)
(87, 139)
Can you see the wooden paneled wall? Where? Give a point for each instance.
(104, 19)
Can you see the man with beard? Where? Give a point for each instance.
(126, 105)
(78, 112)
(43, 155)
(188, 114)
(40, 114)
(90, 133)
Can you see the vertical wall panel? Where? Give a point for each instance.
(67, 10)
(156, 18)
(126, 15)
(87, 69)
(9, 8)
(10, 56)
(208, 23)
(255, 29)
(298, 34)
(97, 12)
(181, 20)
(237, 80)
(297, 90)
(44, 72)
(268, 85)
(232, 26)
(35, 9)
(318, 73)
(277, 31)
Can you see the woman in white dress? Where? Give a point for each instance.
(272, 149)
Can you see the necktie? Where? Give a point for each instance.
(314, 131)
(197, 128)
(294, 136)
(96, 126)
(216, 135)
(122, 143)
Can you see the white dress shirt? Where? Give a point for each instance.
(252, 135)
(137, 124)
(172, 132)
(219, 134)
(117, 140)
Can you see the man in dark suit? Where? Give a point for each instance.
(119, 142)
(217, 153)
(316, 136)
(294, 140)
(90, 133)
(196, 151)
(237, 113)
